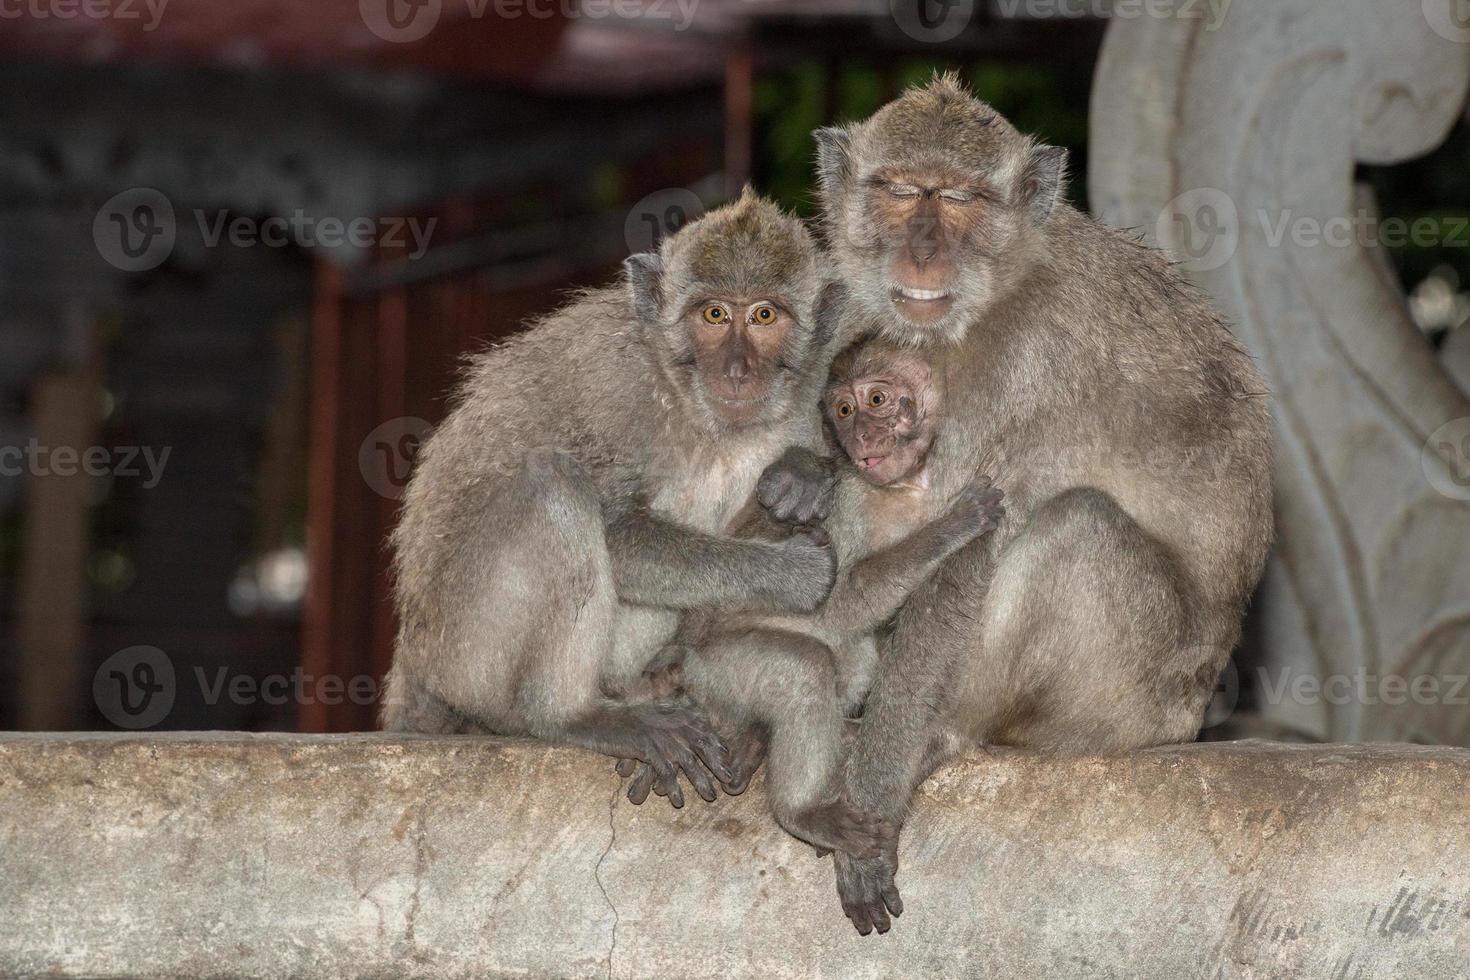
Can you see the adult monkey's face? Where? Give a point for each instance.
(935, 208)
(730, 306)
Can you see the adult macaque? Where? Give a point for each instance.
(567, 509)
(1099, 615)
(788, 680)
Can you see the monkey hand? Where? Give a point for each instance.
(977, 510)
(807, 571)
(798, 487)
(866, 889)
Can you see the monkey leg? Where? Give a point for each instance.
(526, 652)
(1079, 638)
(1088, 642)
(784, 684)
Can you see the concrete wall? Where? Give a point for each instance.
(271, 856)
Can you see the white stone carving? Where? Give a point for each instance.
(1235, 146)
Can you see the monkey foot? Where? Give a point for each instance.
(867, 891)
(747, 751)
(664, 741)
(838, 827)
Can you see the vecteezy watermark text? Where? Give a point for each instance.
(1204, 228)
(136, 231)
(148, 11)
(98, 461)
(407, 21)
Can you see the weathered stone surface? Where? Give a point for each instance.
(1232, 139)
(214, 855)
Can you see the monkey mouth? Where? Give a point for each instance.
(922, 304)
(924, 295)
(871, 462)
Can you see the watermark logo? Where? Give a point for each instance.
(1445, 459)
(406, 21)
(932, 21)
(1450, 19)
(1226, 697)
(136, 231)
(135, 688)
(659, 215)
(387, 455)
(1212, 12)
(1201, 227)
(401, 21)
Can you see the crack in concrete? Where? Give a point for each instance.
(420, 864)
(612, 825)
(420, 868)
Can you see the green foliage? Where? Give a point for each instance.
(1046, 100)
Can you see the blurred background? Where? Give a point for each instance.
(244, 244)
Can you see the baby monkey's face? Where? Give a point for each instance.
(881, 407)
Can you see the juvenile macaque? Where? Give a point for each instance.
(1100, 614)
(788, 680)
(569, 507)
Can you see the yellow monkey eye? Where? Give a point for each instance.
(844, 410)
(877, 398)
(715, 313)
(764, 315)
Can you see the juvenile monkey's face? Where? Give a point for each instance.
(737, 342)
(882, 414)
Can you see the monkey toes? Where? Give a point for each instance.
(865, 887)
(747, 751)
(672, 740)
(744, 755)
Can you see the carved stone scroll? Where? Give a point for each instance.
(1232, 140)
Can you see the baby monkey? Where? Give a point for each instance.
(787, 682)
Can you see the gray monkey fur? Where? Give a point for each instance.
(570, 506)
(797, 676)
(1128, 428)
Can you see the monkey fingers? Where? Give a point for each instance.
(798, 487)
(867, 891)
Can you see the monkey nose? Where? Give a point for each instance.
(737, 369)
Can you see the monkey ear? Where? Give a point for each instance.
(833, 146)
(645, 275)
(1043, 180)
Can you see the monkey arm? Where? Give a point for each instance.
(874, 589)
(659, 563)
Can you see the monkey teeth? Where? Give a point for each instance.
(926, 295)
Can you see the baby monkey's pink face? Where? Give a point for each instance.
(881, 404)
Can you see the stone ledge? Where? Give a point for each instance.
(197, 855)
